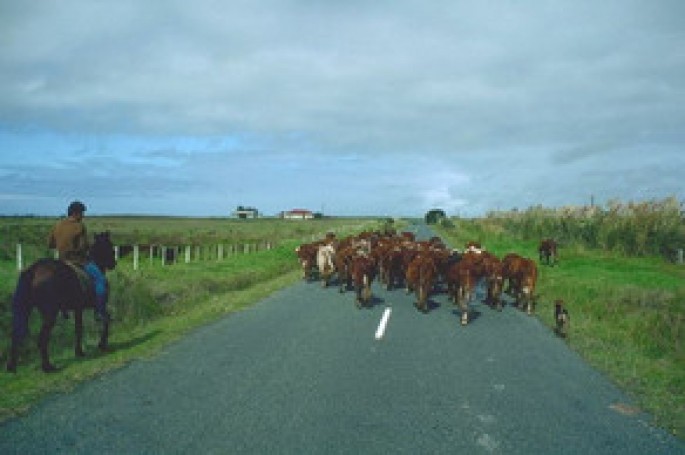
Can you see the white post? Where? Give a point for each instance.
(163, 256)
(20, 260)
(220, 252)
(187, 254)
(135, 257)
(680, 256)
(116, 252)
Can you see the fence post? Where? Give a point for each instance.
(163, 256)
(220, 252)
(187, 254)
(680, 256)
(135, 257)
(20, 260)
(116, 252)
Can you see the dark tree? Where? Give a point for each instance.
(434, 216)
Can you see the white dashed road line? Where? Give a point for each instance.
(384, 321)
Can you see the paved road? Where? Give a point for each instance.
(302, 372)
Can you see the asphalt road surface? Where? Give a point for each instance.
(303, 372)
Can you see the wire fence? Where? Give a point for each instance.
(145, 255)
(152, 255)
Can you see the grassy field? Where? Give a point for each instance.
(627, 314)
(155, 305)
(32, 233)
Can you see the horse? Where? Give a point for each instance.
(53, 286)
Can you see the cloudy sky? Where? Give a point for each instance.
(346, 107)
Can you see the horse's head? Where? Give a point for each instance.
(102, 251)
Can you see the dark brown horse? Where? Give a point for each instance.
(53, 286)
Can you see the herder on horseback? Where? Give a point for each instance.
(72, 283)
(70, 239)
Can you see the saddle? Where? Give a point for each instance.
(85, 280)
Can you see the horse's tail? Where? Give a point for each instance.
(21, 306)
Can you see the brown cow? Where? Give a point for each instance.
(421, 276)
(548, 251)
(342, 261)
(408, 236)
(474, 246)
(523, 274)
(492, 271)
(392, 268)
(307, 256)
(362, 271)
(462, 278)
(510, 265)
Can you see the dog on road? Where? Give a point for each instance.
(561, 317)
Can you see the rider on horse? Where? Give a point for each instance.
(70, 239)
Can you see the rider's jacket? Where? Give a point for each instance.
(70, 239)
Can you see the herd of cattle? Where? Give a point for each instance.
(423, 267)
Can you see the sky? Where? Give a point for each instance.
(350, 108)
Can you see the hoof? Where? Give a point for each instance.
(80, 353)
(105, 348)
(11, 368)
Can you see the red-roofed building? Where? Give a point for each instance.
(297, 214)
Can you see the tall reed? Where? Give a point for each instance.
(644, 228)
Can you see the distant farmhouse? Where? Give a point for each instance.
(246, 212)
(297, 214)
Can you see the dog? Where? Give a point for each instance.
(562, 318)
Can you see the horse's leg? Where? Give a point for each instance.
(12, 360)
(104, 338)
(13, 354)
(43, 338)
(78, 328)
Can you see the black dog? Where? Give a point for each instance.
(562, 318)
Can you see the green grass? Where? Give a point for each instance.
(627, 315)
(151, 307)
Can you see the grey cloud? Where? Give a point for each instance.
(519, 91)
